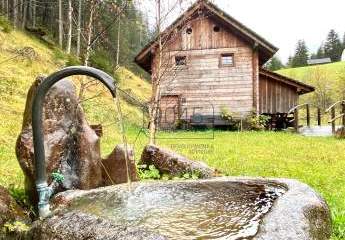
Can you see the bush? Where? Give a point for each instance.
(226, 115)
(258, 122)
(5, 25)
(101, 60)
(151, 173)
(72, 61)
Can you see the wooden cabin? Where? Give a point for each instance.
(210, 61)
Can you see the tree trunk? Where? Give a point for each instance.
(79, 28)
(15, 12)
(69, 35)
(156, 81)
(8, 9)
(118, 41)
(60, 24)
(25, 8)
(89, 35)
(33, 16)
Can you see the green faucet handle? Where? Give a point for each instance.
(58, 177)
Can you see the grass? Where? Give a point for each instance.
(317, 161)
(333, 70)
(16, 76)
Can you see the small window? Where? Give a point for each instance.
(216, 29)
(180, 60)
(189, 30)
(227, 60)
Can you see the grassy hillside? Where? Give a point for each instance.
(17, 72)
(328, 79)
(333, 70)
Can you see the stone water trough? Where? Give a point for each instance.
(210, 208)
(219, 208)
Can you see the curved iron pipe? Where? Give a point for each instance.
(44, 191)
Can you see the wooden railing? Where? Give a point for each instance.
(334, 117)
(296, 119)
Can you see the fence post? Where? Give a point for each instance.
(318, 116)
(296, 119)
(333, 122)
(308, 115)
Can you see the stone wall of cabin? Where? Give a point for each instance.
(203, 85)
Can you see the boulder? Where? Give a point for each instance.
(13, 215)
(86, 226)
(299, 214)
(340, 133)
(71, 146)
(169, 162)
(9, 209)
(115, 170)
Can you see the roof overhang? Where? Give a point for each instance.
(302, 88)
(266, 49)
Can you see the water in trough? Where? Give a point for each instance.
(197, 210)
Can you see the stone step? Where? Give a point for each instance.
(317, 131)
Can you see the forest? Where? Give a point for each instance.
(104, 34)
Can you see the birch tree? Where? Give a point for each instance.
(79, 27)
(118, 41)
(89, 33)
(70, 26)
(60, 24)
(156, 79)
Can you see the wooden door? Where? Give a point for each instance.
(169, 111)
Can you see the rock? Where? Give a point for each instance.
(115, 166)
(9, 209)
(340, 133)
(13, 215)
(71, 146)
(77, 225)
(299, 214)
(169, 162)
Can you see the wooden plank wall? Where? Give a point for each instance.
(203, 85)
(276, 97)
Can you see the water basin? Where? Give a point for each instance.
(221, 208)
(176, 210)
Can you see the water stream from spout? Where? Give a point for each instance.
(124, 138)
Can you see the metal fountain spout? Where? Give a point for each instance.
(44, 191)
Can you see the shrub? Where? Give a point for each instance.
(151, 173)
(225, 114)
(5, 25)
(258, 122)
(100, 60)
(72, 61)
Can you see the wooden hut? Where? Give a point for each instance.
(210, 62)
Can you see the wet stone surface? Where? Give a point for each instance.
(177, 211)
(219, 208)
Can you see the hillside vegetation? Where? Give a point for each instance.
(328, 79)
(22, 58)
